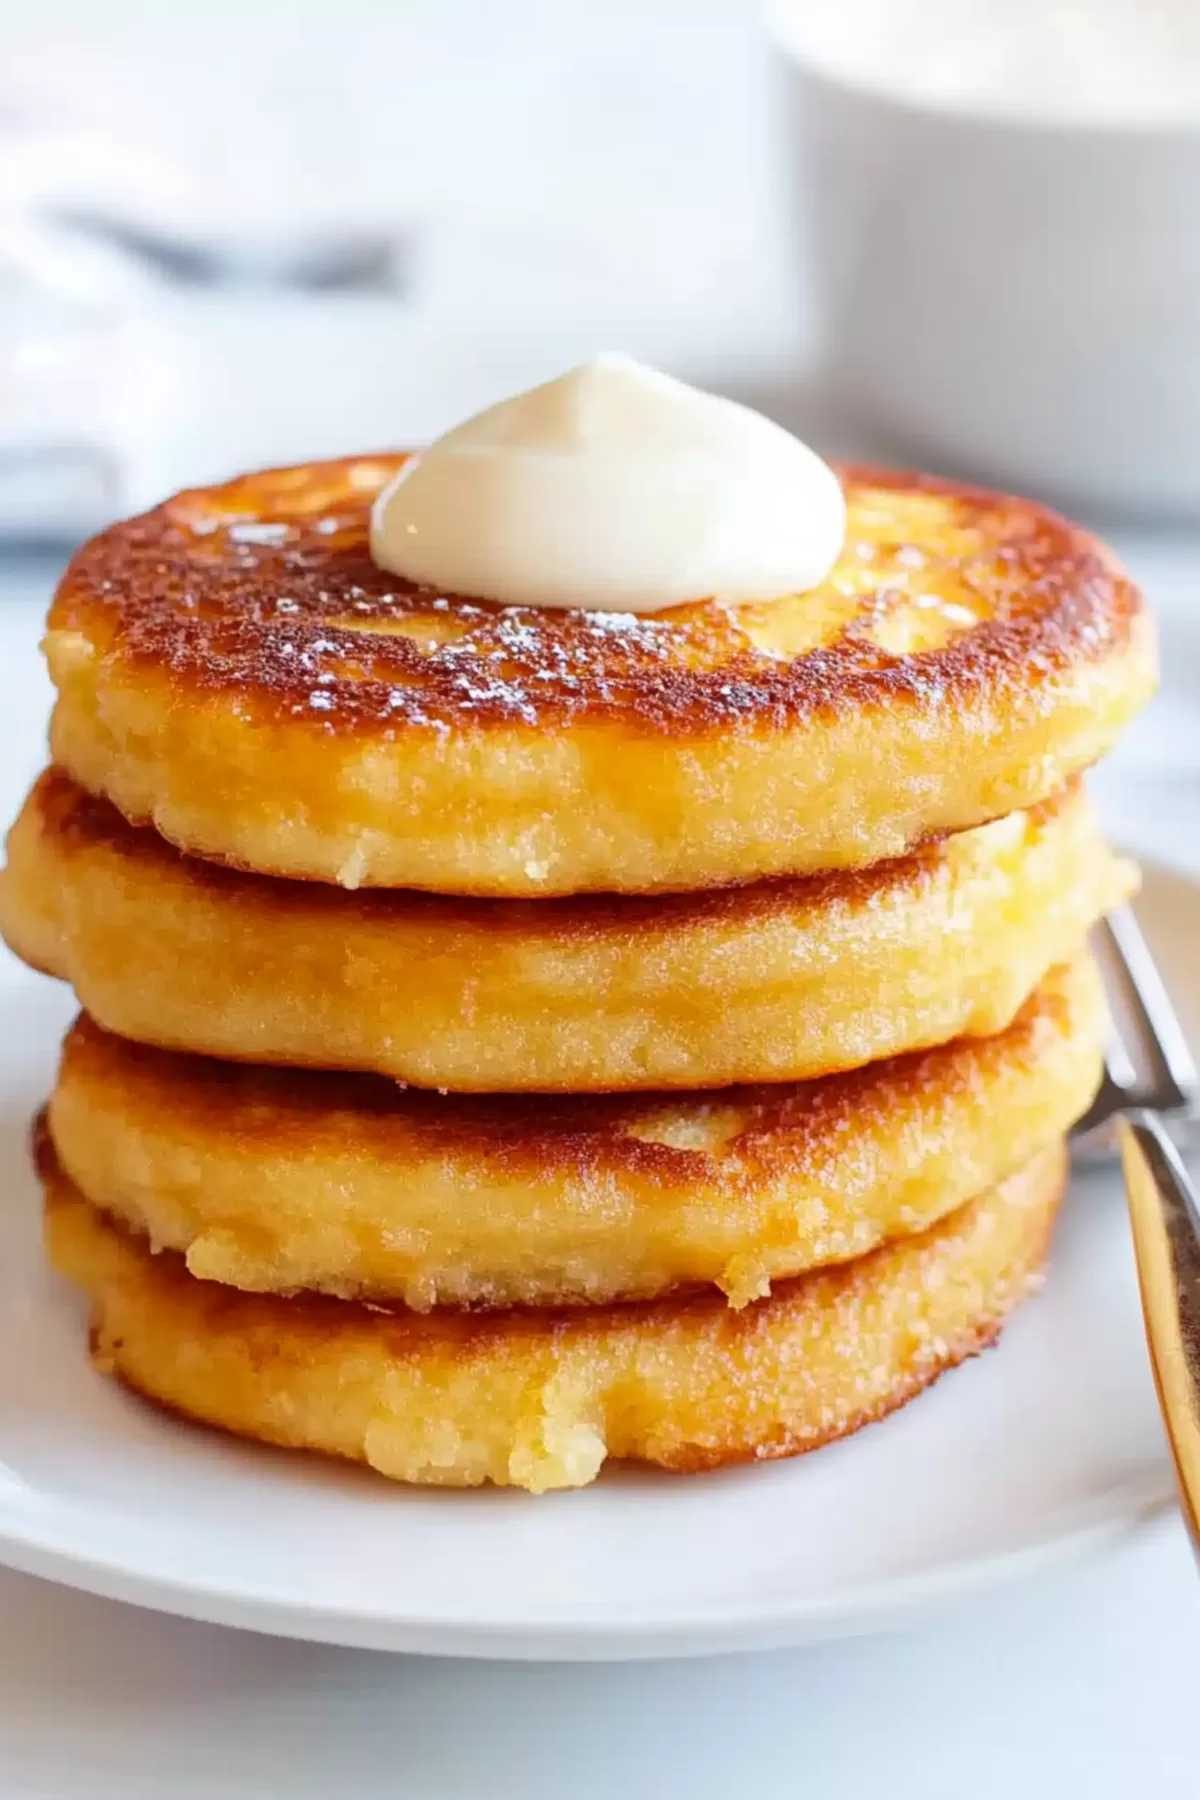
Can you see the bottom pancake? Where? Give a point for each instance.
(540, 1399)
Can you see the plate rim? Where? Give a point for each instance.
(853, 1611)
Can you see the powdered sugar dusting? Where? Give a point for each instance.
(266, 589)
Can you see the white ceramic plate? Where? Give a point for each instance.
(1049, 1445)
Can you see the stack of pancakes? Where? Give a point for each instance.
(519, 1038)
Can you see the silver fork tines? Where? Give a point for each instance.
(1147, 1064)
(1134, 983)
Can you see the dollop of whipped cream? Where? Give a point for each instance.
(613, 488)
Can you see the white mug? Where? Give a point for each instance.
(1008, 296)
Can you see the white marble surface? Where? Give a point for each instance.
(1082, 1682)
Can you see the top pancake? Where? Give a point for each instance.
(233, 668)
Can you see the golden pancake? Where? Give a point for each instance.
(781, 981)
(541, 1399)
(280, 1182)
(233, 668)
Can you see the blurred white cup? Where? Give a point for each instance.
(1007, 291)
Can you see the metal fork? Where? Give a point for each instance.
(1150, 1077)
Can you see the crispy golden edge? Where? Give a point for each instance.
(58, 811)
(600, 994)
(265, 586)
(274, 1181)
(540, 1399)
(545, 754)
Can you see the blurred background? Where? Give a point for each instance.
(237, 231)
(955, 232)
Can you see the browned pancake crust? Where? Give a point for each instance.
(234, 668)
(83, 821)
(778, 981)
(540, 1399)
(265, 587)
(278, 1181)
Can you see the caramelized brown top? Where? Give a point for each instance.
(264, 587)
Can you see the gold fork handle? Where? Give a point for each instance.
(1165, 1215)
